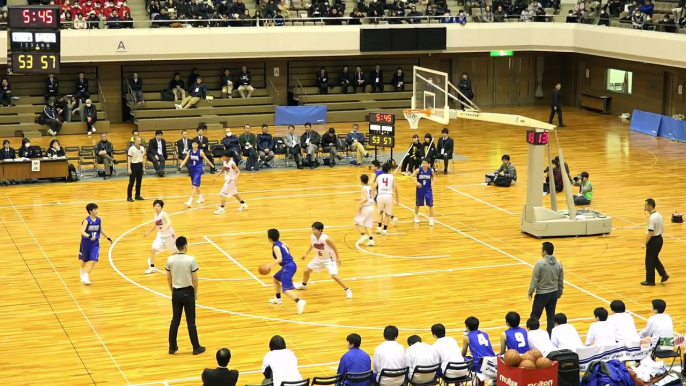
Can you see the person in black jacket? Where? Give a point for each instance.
(329, 140)
(49, 117)
(429, 149)
(136, 84)
(90, 114)
(55, 149)
(375, 10)
(245, 82)
(204, 144)
(7, 152)
(556, 105)
(27, 151)
(178, 88)
(465, 87)
(63, 113)
(221, 376)
(231, 143)
(81, 87)
(51, 87)
(344, 79)
(309, 143)
(265, 146)
(157, 152)
(5, 92)
(413, 158)
(197, 91)
(359, 80)
(323, 81)
(398, 80)
(356, 17)
(445, 147)
(376, 79)
(103, 155)
(227, 83)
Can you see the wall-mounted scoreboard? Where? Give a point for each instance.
(34, 39)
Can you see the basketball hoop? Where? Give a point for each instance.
(414, 115)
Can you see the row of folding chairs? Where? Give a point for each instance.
(396, 377)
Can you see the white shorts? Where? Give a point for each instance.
(318, 264)
(385, 204)
(167, 241)
(229, 189)
(365, 217)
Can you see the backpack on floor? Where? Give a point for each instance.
(167, 95)
(568, 367)
(73, 176)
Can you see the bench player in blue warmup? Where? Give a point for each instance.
(424, 178)
(515, 337)
(283, 280)
(89, 251)
(478, 343)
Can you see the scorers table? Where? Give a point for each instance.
(24, 170)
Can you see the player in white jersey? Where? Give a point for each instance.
(326, 257)
(386, 196)
(165, 235)
(364, 217)
(230, 188)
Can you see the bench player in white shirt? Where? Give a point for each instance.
(230, 188)
(386, 196)
(325, 257)
(364, 217)
(165, 235)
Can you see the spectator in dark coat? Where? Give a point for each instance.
(136, 85)
(50, 118)
(344, 80)
(52, 87)
(323, 81)
(398, 80)
(356, 17)
(81, 87)
(5, 92)
(221, 376)
(376, 79)
(90, 113)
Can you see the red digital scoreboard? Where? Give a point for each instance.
(382, 130)
(537, 137)
(34, 39)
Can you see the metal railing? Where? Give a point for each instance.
(302, 95)
(101, 97)
(131, 100)
(274, 87)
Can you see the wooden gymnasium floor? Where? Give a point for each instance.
(474, 261)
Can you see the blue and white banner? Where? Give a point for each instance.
(299, 115)
(629, 351)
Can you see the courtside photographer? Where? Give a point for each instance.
(585, 195)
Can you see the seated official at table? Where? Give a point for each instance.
(55, 149)
(26, 151)
(7, 151)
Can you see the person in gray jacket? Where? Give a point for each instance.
(547, 282)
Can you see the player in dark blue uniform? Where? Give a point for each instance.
(89, 251)
(424, 178)
(283, 280)
(195, 158)
(478, 343)
(515, 337)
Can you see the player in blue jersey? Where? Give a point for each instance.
(424, 178)
(195, 158)
(477, 341)
(515, 337)
(89, 252)
(283, 280)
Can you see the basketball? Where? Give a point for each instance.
(512, 358)
(264, 269)
(527, 365)
(536, 354)
(543, 363)
(528, 357)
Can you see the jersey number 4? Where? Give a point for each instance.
(384, 181)
(482, 340)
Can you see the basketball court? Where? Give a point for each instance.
(474, 261)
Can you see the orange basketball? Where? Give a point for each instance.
(527, 365)
(543, 363)
(512, 358)
(528, 357)
(536, 354)
(264, 269)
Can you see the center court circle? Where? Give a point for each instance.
(267, 318)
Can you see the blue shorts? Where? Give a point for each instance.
(285, 276)
(425, 197)
(196, 177)
(89, 251)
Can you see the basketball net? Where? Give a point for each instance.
(414, 115)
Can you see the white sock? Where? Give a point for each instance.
(190, 198)
(200, 197)
(81, 271)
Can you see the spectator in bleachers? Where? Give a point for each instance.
(5, 92)
(265, 146)
(248, 143)
(157, 152)
(623, 323)
(62, 109)
(73, 106)
(538, 339)
(376, 79)
(93, 20)
(107, 9)
(658, 326)
(257, 21)
(231, 143)
(136, 85)
(389, 355)
(604, 18)
(419, 353)
(615, 8)
(280, 364)
(162, 19)
(292, 142)
(245, 82)
(355, 140)
(398, 80)
(329, 142)
(55, 149)
(90, 114)
(565, 336)
(52, 89)
(278, 19)
(448, 350)
(487, 15)
(356, 17)
(499, 15)
(375, 10)
(50, 117)
(601, 332)
(526, 16)
(81, 87)
(27, 151)
(361, 6)
(113, 22)
(441, 8)
(103, 155)
(414, 16)
(668, 24)
(355, 360)
(80, 22)
(678, 11)
(461, 18)
(647, 8)
(534, 6)
(648, 24)
(413, 158)
(124, 9)
(270, 9)
(284, 6)
(359, 80)
(335, 13)
(430, 11)
(322, 80)
(344, 79)
(399, 7)
(540, 16)
(571, 17)
(177, 87)
(227, 83)
(309, 142)
(66, 23)
(469, 4)
(193, 77)
(197, 92)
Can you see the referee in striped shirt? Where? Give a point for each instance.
(182, 276)
(653, 244)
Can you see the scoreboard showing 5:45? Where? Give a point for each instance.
(34, 39)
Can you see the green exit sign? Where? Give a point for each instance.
(502, 53)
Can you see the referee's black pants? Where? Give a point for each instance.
(137, 176)
(548, 302)
(653, 262)
(183, 299)
(557, 110)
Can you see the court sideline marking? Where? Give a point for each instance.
(241, 266)
(482, 201)
(30, 232)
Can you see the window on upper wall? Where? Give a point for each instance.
(619, 81)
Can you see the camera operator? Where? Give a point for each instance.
(557, 177)
(585, 189)
(505, 176)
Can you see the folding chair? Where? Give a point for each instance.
(72, 152)
(665, 349)
(424, 372)
(304, 382)
(357, 378)
(397, 377)
(326, 381)
(121, 156)
(172, 156)
(452, 367)
(87, 158)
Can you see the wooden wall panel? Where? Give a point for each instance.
(558, 68)
(109, 77)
